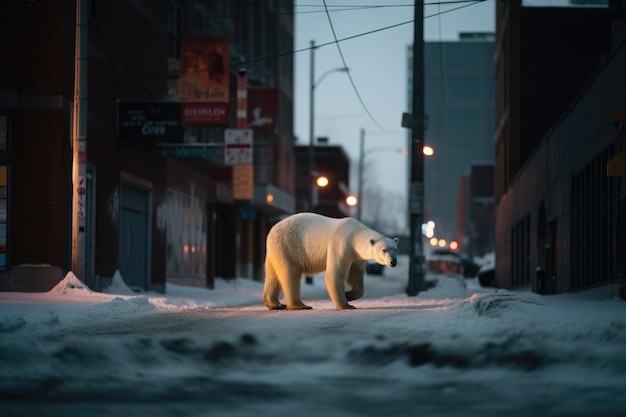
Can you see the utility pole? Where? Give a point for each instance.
(416, 189)
(311, 166)
(359, 202)
(312, 191)
(79, 142)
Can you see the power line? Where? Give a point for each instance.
(356, 91)
(336, 8)
(358, 35)
(336, 42)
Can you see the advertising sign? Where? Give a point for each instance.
(149, 122)
(262, 110)
(204, 69)
(243, 182)
(205, 113)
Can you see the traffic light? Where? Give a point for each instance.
(616, 167)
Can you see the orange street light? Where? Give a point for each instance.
(322, 181)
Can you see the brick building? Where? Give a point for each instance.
(154, 213)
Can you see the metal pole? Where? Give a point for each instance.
(416, 191)
(359, 203)
(309, 279)
(312, 131)
(79, 142)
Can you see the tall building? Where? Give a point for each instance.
(158, 200)
(559, 81)
(459, 111)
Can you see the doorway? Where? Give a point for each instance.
(135, 220)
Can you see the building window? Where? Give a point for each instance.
(4, 188)
(520, 252)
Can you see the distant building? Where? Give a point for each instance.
(560, 221)
(459, 111)
(333, 163)
(481, 209)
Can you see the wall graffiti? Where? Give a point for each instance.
(183, 217)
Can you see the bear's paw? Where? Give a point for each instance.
(278, 306)
(299, 307)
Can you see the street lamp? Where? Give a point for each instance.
(362, 155)
(313, 86)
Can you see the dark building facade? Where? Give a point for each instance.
(475, 210)
(559, 81)
(156, 213)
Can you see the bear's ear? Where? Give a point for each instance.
(373, 242)
(395, 239)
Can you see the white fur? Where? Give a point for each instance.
(308, 243)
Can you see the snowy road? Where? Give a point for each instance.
(450, 351)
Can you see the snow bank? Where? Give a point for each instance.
(71, 285)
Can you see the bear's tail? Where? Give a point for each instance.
(271, 288)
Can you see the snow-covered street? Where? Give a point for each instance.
(456, 349)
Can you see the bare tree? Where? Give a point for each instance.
(382, 210)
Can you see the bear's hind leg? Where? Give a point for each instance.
(291, 283)
(271, 288)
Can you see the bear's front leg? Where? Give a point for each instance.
(335, 286)
(355, 281)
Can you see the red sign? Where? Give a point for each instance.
(204, 113)
(262, 109)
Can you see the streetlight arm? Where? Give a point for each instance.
(326, 74)
(384, 149)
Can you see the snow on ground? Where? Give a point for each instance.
(455, 349)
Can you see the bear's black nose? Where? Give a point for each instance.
(394, 262)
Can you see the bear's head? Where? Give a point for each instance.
(385, 251)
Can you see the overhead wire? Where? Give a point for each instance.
(343, 59)
(369, 32)
(336, 8)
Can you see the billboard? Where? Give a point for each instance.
(204, 69)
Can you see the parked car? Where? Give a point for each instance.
(446, 261)
(487, 276)
(487, 272)
(374, 268)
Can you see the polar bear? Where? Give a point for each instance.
(308, 243)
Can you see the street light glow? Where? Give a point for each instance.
(428, 150)
(322, 181)
(351, 200)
